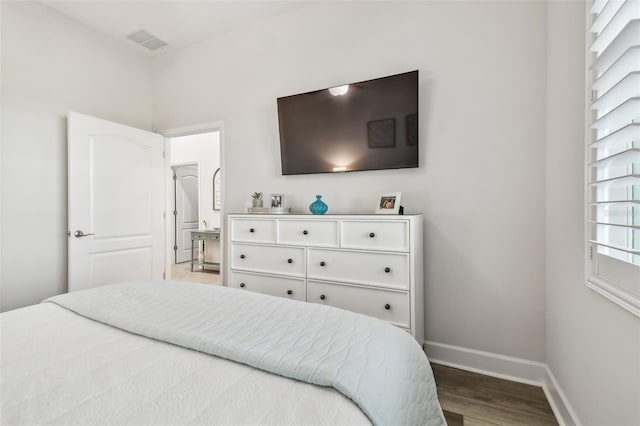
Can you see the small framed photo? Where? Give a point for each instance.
(277, 201)
(389, 203)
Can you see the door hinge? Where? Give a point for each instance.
(594, 95)
(175, 177)
(164, 215)
(164, 275)
(590, 252)
(175, 248)
(175, 213)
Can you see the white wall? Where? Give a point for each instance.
(481, 178)
(52, 65)
(204, 149)
(592, 346)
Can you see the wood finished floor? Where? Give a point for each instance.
(484, 400)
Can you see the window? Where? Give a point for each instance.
(613, 192)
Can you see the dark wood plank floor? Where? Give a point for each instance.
(484, 400)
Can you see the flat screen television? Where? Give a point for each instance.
(370, 125)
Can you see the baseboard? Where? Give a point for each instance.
(487, 363)
(508, 368)
(558, 401)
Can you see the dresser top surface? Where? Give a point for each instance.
(333, 216)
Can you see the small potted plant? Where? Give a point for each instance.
(256, 199)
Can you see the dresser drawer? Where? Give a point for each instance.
(270, 259)
(391, 306)
(275, 286)
(375, 235)
(308, 232)
(253, 230)
(379, 269)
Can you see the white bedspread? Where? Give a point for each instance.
(58, 368)
(376, 365)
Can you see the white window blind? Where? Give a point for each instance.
(613, 216)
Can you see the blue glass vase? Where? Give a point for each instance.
(318, 206)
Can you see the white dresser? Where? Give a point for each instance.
(370, 264)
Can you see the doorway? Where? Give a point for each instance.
(194, 159)
(186, 207)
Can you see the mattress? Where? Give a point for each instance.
(161, 352)
(57, 367)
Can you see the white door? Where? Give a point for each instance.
(116, 203)
(186, 210)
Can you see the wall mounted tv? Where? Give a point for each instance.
(370, 125)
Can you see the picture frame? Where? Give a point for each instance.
(277, 201)
(389, 203)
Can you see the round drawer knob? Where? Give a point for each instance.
(241, 284)
(322, 297)
(305, 232)
(322, 263)
(387, 270)
(289, 260)
(289, 292)
(387, 306)
(242, 256)
(371, 235)
(252, 230)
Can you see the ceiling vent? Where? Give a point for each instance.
(147, 40)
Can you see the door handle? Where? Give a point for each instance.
(80, 234)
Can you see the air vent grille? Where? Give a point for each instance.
(147, 40)
(154, 44)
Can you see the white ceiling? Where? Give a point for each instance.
(178, 22)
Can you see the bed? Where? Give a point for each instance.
(169, 353)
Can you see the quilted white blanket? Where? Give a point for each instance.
(59, 368)
(378, 366)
